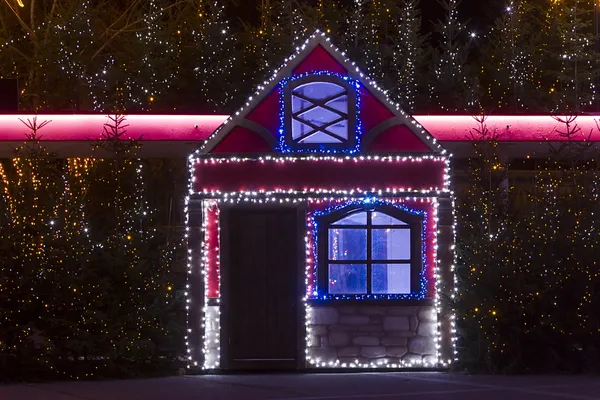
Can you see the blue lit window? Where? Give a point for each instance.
(320, 112)
(370, 251)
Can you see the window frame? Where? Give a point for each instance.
(288, 114)
(414, 222)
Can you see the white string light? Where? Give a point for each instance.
(212, 197)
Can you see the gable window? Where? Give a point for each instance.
(320, 112)
(370, 251)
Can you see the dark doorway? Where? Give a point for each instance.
(260, 287)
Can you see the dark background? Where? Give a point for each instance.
(478, 14)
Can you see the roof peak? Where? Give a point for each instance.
(318, 38)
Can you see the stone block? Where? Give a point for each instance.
(370, 328)
(429, 359)
(323, 353)
(366, 341)
(212, 318)
(427, 329)
(402, 310)
(347, 360)
(376, 319)
(324, 316)
(421, 345)
(394, 341)
(371, 310)
(413, 322)
(349, 351)
(319, 330)
(396, 324)
(427, 314)
(343, 328)
(324, 341)
(353, 319)
(372, 351)
(347, 310)
(313, 341)
(212, 339)
(414, 358)
(339, 339)
(403, 334)
(396, 351)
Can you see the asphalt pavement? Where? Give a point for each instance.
(321, 386)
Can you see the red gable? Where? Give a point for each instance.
(328, 122)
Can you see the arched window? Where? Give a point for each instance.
(320, 112)
(370, 251)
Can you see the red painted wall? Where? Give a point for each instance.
(252, 175)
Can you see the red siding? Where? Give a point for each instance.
(372, 111)
(242, 140)
(325, 174)
(397, 139)
(266, 114)
(319, 60)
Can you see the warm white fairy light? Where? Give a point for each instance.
(215, 42)
(450, 64)
(406, 53)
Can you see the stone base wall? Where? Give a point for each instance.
(372, 335)
(212, 328)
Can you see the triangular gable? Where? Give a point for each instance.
(379, 115)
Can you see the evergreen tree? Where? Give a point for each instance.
(572, 54)
(145, 70)
(453, 89)
(512, 61)
(44, 249)
(135, 259)
(382, 33)
(409, 54)
(527, 260)
(214, 54)
(86, 274)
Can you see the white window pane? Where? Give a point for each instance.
(340, 104)
(299, 104)
(390, 278)
(391, 244)
(347, 244)
(340, 129)
(319, 90)
(347, 279)
(379, 218)
(359, 218)
(319, 116)
(300, 130)
(320, 137)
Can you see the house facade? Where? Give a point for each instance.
(320, 229)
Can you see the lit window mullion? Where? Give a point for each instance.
(369, 252)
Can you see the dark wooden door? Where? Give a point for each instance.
(260, 271)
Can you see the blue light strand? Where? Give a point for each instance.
(284, 147)
(375, 202)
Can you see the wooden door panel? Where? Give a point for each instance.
(260, 305)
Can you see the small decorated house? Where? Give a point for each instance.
(320, 229)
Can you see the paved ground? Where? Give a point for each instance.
(367, 386)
